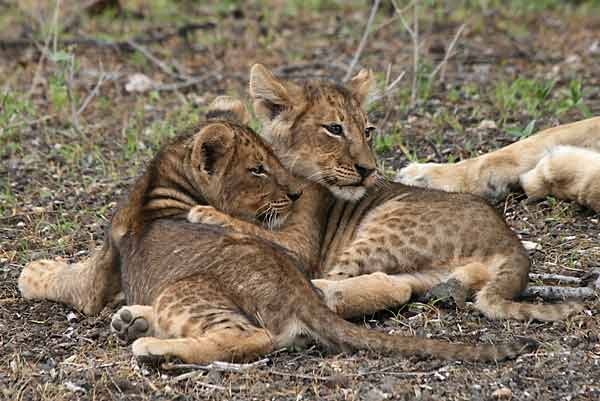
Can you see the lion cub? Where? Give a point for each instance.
(566, 172)
(220, 163)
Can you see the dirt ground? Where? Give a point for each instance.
(72, 138)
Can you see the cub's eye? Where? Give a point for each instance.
(334, 129)
(369, 132)
(258, 171)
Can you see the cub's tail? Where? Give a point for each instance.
(341, 335)
(493, 304)
(496, 299)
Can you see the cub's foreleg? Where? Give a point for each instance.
(566, 172)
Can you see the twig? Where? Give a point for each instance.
(414, 35)
(555, 277)
(555, 293)
(363, 40)
(93, 93)
(160, 64)
(70, 94)
(116, 45)
(218, 366)
(44, 51)
(442, 65)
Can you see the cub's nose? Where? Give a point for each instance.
(294, 196)
(363, 171)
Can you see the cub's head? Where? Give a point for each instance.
(238, 173)
(319, 130)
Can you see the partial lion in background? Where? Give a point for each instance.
(494, 174)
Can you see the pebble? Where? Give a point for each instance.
(503, 393)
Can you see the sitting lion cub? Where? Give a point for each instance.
(220, 163)
(566, 172)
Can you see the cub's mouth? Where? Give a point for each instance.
(352, 191)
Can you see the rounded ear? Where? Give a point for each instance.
(212, 149)
(270, 95)
(363, 86)
(229, 109)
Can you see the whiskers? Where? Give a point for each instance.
(270, 216)
(320, 177)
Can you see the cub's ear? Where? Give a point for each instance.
(212, 149)
(363, 86)
(229, 109)
(271, 96)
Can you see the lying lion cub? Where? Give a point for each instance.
(385, 242)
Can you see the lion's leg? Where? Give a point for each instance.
(87, 286)
(370, 293)
(491, 175)
(193, 321)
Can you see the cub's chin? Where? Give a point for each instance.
(349, 193)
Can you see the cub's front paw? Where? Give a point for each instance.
(132, 322)
(208, 215)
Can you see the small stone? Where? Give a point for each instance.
(138, 83)
(20, 224)
(72, 317)
(531, 246)
(376, 395)
(487, 124)
(503, 393)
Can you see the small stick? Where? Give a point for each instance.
(219, 366)
(363, 41)
(160, 64)
(555, 293)
(556, 277)
(414, 34)
(442, 65)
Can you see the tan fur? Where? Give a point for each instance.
(209, 165)
(493, 174)
(388, 227)
(568, 173)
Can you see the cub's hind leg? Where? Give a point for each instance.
(193, 321)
